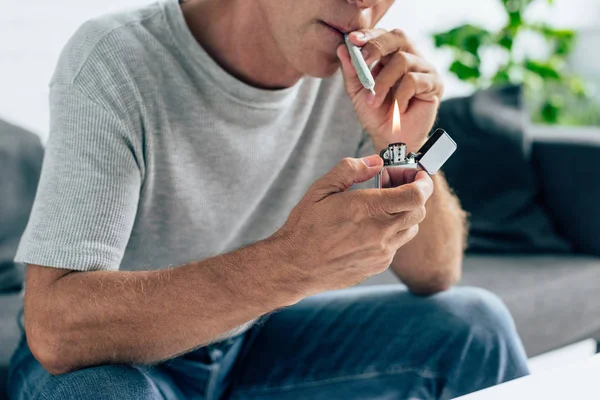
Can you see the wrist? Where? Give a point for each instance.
(271, 284)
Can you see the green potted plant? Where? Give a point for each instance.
(554, 94)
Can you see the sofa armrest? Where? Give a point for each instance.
(567, 164)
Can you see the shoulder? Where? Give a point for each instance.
(105, 43)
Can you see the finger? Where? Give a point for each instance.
(417, 85)
(362, 36)
(406, 197)
(405, 236)
(351, 81)
(423, 180)
(380, 45)
(400, 176)
(399, 65)
(345, 174)
(406, 219)
(376, 70)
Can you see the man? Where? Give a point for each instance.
(190, 187)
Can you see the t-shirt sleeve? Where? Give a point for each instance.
(88, 193)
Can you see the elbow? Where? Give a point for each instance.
(436, 282)
(48, 323)
(47, 348)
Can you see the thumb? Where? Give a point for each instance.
(351, 81)
(346, 173)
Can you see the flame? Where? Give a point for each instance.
(396, 120)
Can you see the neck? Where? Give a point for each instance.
(236, 35)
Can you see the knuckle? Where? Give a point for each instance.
(404, 219)
(403, 57)
(413, 78)
(377, 45)
(345, 172)
(418, 197)
(348, 164)
(422, 213)
(398, 33)
(382, 247)
(403, 62)
(413, 231)
(409, 234)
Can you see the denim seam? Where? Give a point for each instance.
(151, 381)
(26, 388)
(394, 370)
(212, 382)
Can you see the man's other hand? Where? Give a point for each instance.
(401, 74)
(335, 238)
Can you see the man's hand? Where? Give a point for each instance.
(401, 74)
(336, 238)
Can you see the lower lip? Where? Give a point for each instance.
(339, 34)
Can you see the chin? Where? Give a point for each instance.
(321, 66)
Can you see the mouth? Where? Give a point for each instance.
(338, 30)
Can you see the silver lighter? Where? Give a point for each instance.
(434, 153)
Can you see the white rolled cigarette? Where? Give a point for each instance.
(361, 67)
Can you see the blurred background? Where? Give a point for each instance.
(33, 32)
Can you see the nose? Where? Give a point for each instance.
(364, 3)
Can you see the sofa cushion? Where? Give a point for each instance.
(567, 163)
(10, 305)
(492, 176)
(21, 155)
(552, 298)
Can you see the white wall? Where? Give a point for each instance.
(33, 32)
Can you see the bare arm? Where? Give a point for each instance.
(333, 239)
(77, 319)
(432, 261)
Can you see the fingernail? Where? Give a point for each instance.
(371, 99)
(360, 36)
(371, 161)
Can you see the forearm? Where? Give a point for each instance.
(432, 261)
(92, 318)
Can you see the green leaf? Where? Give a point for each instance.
(465, 72)
(469, 38)
(554, 94)
(578, 87)
(550, 113)
(506, 38)
(544, 70)
(502, 77)
(515, 19)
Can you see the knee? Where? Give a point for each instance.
(481, 307)
(479, 314)
(105, 382)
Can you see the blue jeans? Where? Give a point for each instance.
(364, 343)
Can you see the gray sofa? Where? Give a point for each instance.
(552, 297)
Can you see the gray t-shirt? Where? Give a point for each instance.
(157, 157)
